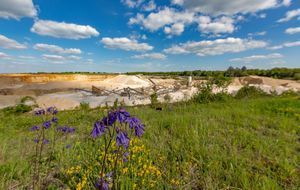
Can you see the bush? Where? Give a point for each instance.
(290, 93)
(250, 92)
(154, 99)
(27, 98)
(18, 109)
(205, 95)
(84, 106)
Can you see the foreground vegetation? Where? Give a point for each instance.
(250, 143)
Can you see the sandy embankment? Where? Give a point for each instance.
(265, 83)
(60, 90)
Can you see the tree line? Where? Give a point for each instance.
(280, 73)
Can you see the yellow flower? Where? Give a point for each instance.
(125, 170)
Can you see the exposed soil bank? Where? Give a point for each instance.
(68, 91)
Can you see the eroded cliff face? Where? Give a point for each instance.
(43, 78)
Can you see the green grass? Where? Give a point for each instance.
(238, 144)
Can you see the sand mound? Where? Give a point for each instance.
(123, 81)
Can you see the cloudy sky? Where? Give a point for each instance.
(147, 35)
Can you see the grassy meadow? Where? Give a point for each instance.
(236, 144)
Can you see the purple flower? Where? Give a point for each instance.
(71, 130)
(110, 120)
(46, 141)
(36, 140)
(68, 146)
(135, 123)
(54, 120)
(39, 112)
(66, 129)
(125, 157)
(47, 124)
(102, 184)
(98, 130)
(34, 128)
(52, 110)
(122, 115)
(122, 139)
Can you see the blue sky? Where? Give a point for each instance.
(147, 35)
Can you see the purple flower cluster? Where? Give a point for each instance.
(135, 123)
(39, 112)
(124, 119)
(37, 140)
(50, 110)
(103, 183)
(65, 129)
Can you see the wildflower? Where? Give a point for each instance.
(46, 141)
(71, 129)
(39, 112)
(110, 120)
(122, 115)
(36, 140)
(54, 120)
(52, 110)
(102, 184)
(47, 124)
(68, 146)
(66, 129)
(125, 157)
(135, 123)
(122, 139)
(34, 128)
(99, 129)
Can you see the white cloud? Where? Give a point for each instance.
(177, 2)
(56, 49)
(7, 43)
(286, 2)
(60, 59)
(125, 44)
(216, 47)
(74, 57)
(254, 58)
(132, 3)
(4, 56)
(150, 56)
(220, 25)
(290, 15)
(150, 6)
(292, 30)
(175, 21)
(230, 7)
(26, 57)
(167, 16)
(262, 15)
(262, 33)
(175, 29)
(17, 9)
(53, 57)
(285, 45)
(63, 30)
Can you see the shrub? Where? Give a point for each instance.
(297, 76)
(205, 95)
(27, 98)
(18, 109)
(290, 93)
(250, 92)
(84, 106)
(154, 100)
